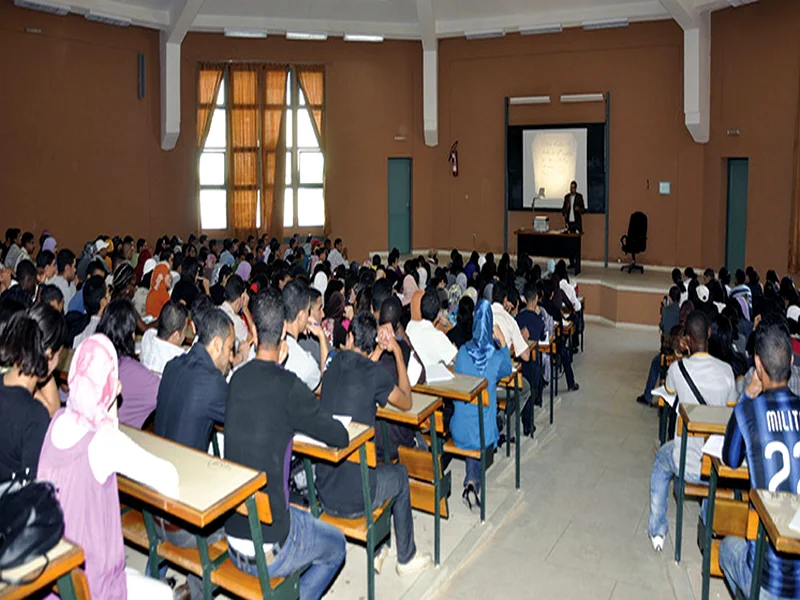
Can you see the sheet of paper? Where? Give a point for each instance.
(299, 437)
(794, 524)
(663, 393)
(414, 370)
(437, 372)
(343, 419)
(713, 446)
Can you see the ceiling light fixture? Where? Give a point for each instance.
(107, 19)
(608, 24)
(359, 37)
(540, 29)
(246, 33)
(484, 35)
(572, 98)
(298, 35)
(48, 7)
(529, 100)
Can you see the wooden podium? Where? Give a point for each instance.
(552, 244)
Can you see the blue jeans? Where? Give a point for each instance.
(733, 561)
(473, 475)
(310, 542)
(652, 376)
(664, 469)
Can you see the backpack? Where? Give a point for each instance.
(31, 523)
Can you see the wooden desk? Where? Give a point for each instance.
(775, 510)
(64, 558)
(462, 387)
(698, 420)
(423, 408)
(358, 433)
(552, 244)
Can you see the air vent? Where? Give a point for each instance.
(53, 9)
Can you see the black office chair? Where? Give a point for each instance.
(635, 241)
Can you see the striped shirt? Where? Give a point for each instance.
(767, 430)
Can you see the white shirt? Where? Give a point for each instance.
(239, 327)
(423, 278)
(23, 255)
(569, 291)
(714, 379)
(68, 289)
(335, 258)
(431, 345)
(89, 331)
(11, 256)
(508, 325)
(155, 353)
(301, 363)
(571, 208)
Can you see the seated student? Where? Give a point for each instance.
(755, 431)
(235, 306)
(186, 289)
(397, 367)
(532, 326)
(160, 285)
(51, 296)
(354, 383)
(485, 355)
(27, 281)
(461, 333)
(267, 405)
(51, 324)
(297, 303)
(45, 265)
(670, 314)
(432, 346)
(94, 268)
(95, 300)
(316, 316)
(25, 421)
(82, 454)
(139, 385)
(159, 346)
(715, 383)
(740, 288)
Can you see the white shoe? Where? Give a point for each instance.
(658, 542)
(418, 563)
(380, 558)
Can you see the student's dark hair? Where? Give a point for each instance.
(64, 258)
(8, 307)
(499, 292)
(268, 312)
(465, 316)
(140, 244)
(172, 318)
(363, 298)
(430, 305)
(697, 326)
(213, 323)
(773, 346)
(177, 261)
(50, 293)
(530, 290)
(772, 276)
(46, 257)
(26, 271)
(166, 254)
(337, 242)
(52, 325)
(94, 290)
(376, 260)
(716, 291)
(739, 277)
(313, 294)
(22, 345)
(391, 311)
(200, 305)
(11, 234)
(709, 272)
(27, 237)
(381, 291)
(234, 288)
(191, 268)
(720, 344)
(296, 299)
(561, 270)
(724, 276)
(364, 330)
(96, 265)
(674, 294)
(118, 324)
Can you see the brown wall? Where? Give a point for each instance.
(81, 154)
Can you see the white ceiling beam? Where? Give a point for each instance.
(394, 30)
(427, 24)
(684, 12)
(430, 72)
(139, 15)
(182, 14)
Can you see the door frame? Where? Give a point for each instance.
(410, 201)
(726, 162)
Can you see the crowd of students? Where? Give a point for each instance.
(734, 340)
(243, 333)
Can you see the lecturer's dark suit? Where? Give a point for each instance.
(580, 208)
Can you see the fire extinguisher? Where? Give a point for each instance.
(453, 158)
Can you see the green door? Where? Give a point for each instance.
(737, 214)
(400, 204)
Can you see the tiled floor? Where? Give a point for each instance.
(578, 526)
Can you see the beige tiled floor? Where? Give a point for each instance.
(577, 529)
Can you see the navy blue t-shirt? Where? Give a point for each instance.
(767, 430)
(528, 319)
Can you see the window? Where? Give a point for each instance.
(212, 170)
(304, 196)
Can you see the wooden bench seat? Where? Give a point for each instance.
(230, 578)
(451, 448)
(355, 529)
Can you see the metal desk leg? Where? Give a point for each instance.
(758, 562)
(679, 481)
(709, 531)
(154, 561)
(483, 456)
(508, 425)
(313, 505)
(437, 492)
(66, 587)
(553, 381)
(517, 386)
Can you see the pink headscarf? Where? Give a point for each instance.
(410, 288)
(93, 378)
(244, 269)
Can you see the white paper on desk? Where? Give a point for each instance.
(546, 341)
(343, 419)
(662, 392)
(794, 524)
(305, 439)
(414, 370)
(713, 446)
(437, 372)
(565, 322)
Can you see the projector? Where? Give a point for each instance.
(541, 224)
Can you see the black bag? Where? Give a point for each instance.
(691, 383)
(31, 522)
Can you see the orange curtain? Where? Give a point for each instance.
(312, 82)
(208, 80)
(243, 122)
(273, 149)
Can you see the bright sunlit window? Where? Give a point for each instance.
(213, 182)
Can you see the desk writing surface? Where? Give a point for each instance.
(422, 405)
(705, 419)
(776, 510)
(63, 558)
(204, 480)
(461, 387)
(357, 433)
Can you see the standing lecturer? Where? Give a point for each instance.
(573, 209)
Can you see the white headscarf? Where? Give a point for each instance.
(321, 284)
